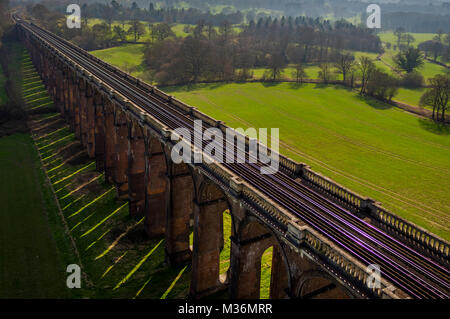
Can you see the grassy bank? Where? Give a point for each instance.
(34, 250)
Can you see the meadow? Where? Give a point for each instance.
(370, 147)
(35, 249)
(428, 70)
(128, 57)
(177, 28)
(418, 37)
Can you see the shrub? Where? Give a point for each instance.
(413, 80)
(382, 85)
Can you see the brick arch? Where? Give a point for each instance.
(210, 204)
(318, 284)
(252, 239)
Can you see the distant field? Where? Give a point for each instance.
(428, 70)
(128, 57)
(410, 96)
(312, 70)
(372, 148)
(177, 28)
(419, 37)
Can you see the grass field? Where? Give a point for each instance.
(177, 28)
(128, 57)
(418, 37)
(372, 148)
(428, 70)
(35, 249)
(32, 264)
(410, 96)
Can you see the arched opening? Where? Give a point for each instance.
(260, 268)
(225, 245)
(266, 273)
(316, 284)
(212, 229)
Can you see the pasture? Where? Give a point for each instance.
(128, 57)
(35, 249)
(428, 70)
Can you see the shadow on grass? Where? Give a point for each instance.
(192, 87)
(332, 85)
(376, 104)
(296, 86)
(270, 84)
(433, 127)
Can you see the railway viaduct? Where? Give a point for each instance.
(132, 145)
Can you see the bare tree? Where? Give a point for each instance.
(120, 33)
(276, 65)
(299, 73)
(437, 96)
(161, 31)
(137, 29)
(399, 33)
(326, 72)
(344, 63)
(366, 68)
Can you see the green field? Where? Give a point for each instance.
(177, 28)
(418, 37)
(32, 260)
(428, 70)
(370, 147)
(128, 57)
(410, 96)
(35, 249)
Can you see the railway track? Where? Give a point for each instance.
(416, 274)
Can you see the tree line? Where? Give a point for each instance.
(224, 53)
(117, 11)
(211, 54)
